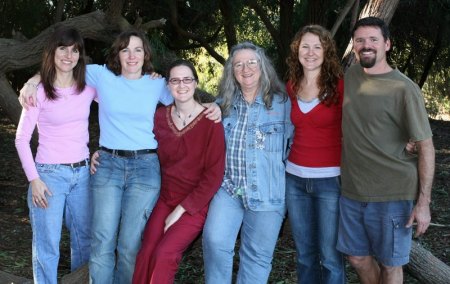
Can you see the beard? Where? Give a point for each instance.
(367, 62)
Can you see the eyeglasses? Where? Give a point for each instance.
(185, 80)
(251, 64)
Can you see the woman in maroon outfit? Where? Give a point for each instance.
(191, 150)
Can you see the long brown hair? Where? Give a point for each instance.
(330, 72)
(62, 36)
(121, 42)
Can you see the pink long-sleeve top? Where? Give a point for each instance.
(62, 126)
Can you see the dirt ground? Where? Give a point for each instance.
(15, 230)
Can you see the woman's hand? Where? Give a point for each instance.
(38, 191)
(28, 92)
(155, 75)
(174, 217)
(94, 162)
(213, 112)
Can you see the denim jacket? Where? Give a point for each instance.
(268, 133)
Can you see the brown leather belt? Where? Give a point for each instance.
(83, 163)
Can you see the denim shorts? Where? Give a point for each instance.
(377, 229)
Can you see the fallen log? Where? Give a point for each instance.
(427, 268)
(423, 266)
(13, 279)
(79, 276)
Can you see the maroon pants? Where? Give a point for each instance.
(160, 254)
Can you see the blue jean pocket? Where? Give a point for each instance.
(401, 236)
(46, 168)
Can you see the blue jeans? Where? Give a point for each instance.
(259, 234)
(70, 201)
(313, 213)
(124, 192)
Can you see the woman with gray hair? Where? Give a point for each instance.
(251, 198)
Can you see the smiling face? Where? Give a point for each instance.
(181, 91)
(246, 73)
(310, 52)
(66, 58)
(370, 47)
(132, 58)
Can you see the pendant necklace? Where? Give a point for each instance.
(186, 117)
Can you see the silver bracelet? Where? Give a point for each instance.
(31, 84)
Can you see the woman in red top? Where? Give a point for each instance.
(192, 156)
(315, 87)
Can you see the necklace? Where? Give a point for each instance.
(186, 118)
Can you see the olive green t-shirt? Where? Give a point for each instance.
(381, 113)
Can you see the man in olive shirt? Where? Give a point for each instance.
(384, 188)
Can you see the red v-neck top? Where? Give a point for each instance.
(192, 160)
(318, 134)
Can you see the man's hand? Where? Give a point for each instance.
(421, 214)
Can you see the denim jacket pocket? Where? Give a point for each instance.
(270, 137)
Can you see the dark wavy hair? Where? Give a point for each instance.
(330, 72)
(188, 64)
(121, 42)
(62, 36)
(269, 83)
(373, 22)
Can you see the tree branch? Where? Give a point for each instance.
(228, 23)
(265, 19)
(342, 15)
(174, 21)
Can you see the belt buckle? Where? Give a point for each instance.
(75, 165)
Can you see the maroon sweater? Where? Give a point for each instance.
(318, 134)
(192, 160)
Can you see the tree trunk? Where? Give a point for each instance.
(342, 14)
(9, 278)
(79, 276)
(434, 53)
(282, 35)
(286, 33)
(226, 8)
(317, 12)
(427, 268)
(423, 266)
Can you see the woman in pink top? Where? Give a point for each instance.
(315, 88)
(59, 175)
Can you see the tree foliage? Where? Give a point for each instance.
(204, 31)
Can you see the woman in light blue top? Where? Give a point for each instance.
(251, 198)
(126, 184)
